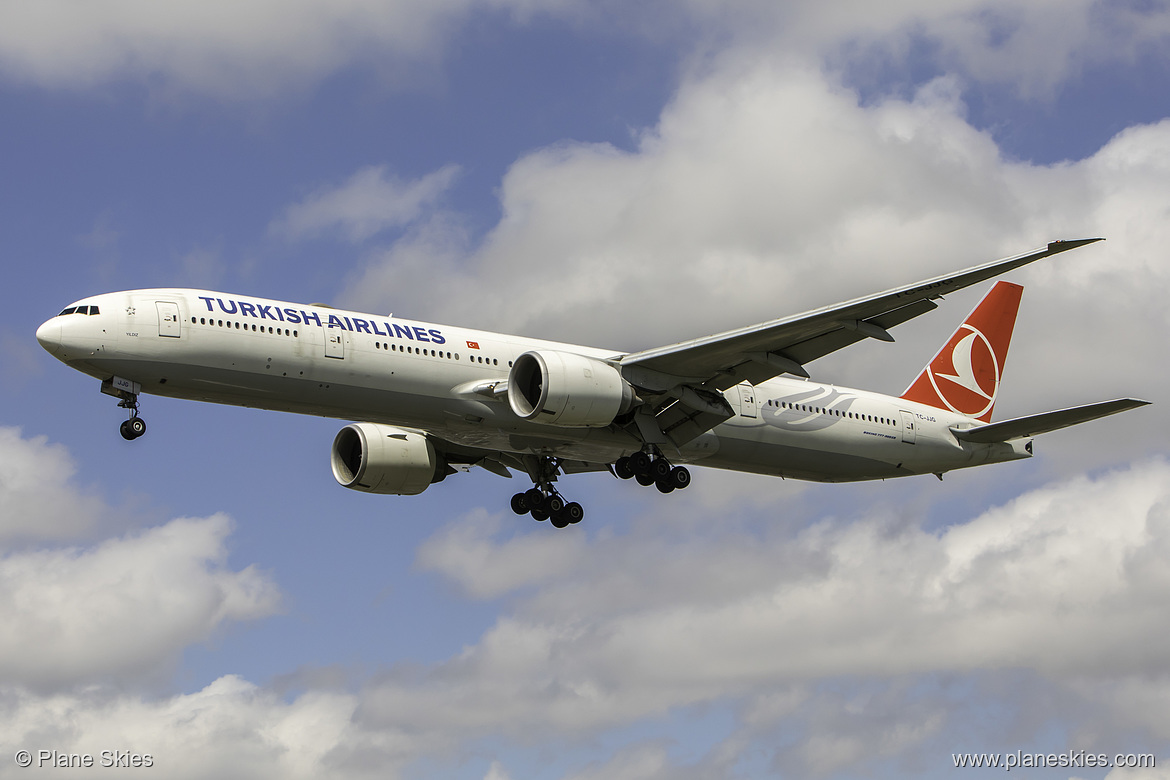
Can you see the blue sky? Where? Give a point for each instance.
(618, 177)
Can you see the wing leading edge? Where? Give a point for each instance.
(1036, 424)
(686, 380)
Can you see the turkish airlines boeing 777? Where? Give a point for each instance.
(434, 399)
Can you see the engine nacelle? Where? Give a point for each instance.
(566, 389)
(381, 459)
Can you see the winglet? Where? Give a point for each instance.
(1056, 247)
(964, 376)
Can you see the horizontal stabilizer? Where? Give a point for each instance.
(1036, 424)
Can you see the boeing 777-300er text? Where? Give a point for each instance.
(435, 399)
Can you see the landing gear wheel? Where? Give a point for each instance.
(573, 512)
(520, 504)
(560, 521)
(680, 477)
(133, 428)
(664, 485)
(535, 499)
(554, 504)
(623, 468)
(539, 515)
(645, 480)
(640, 463)
(660, 469)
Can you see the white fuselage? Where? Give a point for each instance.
(231, 349)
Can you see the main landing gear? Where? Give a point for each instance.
(543, 501)
(652, 470)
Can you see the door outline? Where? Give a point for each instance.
(335, 343)
(169, 325)
(908, 433)
(747, 400)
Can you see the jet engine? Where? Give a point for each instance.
(566, 389)
(381, 459)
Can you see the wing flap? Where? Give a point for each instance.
(1046, 422)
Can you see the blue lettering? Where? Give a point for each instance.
(437, 336)
(279, 316)
(421, 333)
(265, 312)
(336, 323)
(291, 316)
(401, 331)
(206, 300)
(225, 309)
(360, 325)
(307, 315)
(376, 331)
(348, 324)
(247, 309)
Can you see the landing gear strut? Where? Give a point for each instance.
(127, 394)
(543, 501)
(654, 470)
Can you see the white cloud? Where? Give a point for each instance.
(125, 608)
(37, 498)
(231, 728)
(253, 48)
(1063, 581)
(368, 203)
(235, 49)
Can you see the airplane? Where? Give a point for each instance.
(432, 400)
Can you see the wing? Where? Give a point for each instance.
(1035, 424)
(684, 381)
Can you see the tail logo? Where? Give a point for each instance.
(972, 388)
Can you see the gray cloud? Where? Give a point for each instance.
(369, 202)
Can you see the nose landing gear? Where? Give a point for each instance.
(127, 394)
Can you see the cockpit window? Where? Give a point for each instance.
(83, 310)
(70, 310)
(91, 310)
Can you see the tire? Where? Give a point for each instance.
(680, 477)
(124, 429)
(554, 504)
(535, 499)
(645, 480)
(623, 468)
(664, 485)
(559, 520)
(520, 504)
(660, 469)
(574, 512)
(137, 426)
(539, 515)
(640, 463)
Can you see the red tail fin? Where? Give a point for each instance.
(964, 375)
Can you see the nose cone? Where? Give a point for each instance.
(49, 336)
